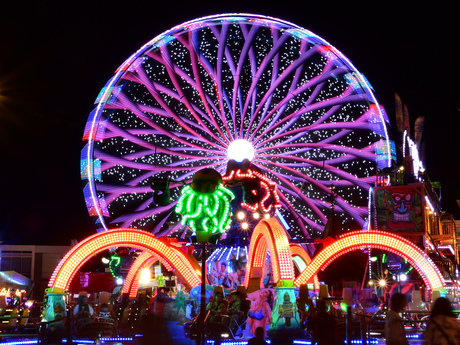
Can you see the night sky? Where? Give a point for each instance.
(55, 58)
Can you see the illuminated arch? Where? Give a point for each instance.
(298, 250)
(145, 260)
(375, 239)
(78, 255)
(269, 236)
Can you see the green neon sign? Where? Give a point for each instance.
(209, 212)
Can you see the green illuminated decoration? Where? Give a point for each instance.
(114, 266)
(209, 212)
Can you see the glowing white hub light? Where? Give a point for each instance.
(239, 150)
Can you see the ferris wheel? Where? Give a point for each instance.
(183, 101)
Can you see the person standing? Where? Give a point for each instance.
(259, 338)
(161, 299)
(323, 326)
(443, 327)
(394, 327)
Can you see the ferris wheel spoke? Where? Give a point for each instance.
(135, 110)
(196, 108)
(206, 101)
(207, 66)
(322, 165)
(311, 107)
(360, 124)
(154, 92)
(262, 68)
(296, 68)
(301, 177)
(268, 96)
(298, 216)
(316, 90)
(221, 36)
(277, 114)
(128, 219)
(172, 70)
(135, 136)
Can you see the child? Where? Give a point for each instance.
(106, 315)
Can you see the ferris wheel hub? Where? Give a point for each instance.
(239, 150)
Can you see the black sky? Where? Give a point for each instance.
(55, 58)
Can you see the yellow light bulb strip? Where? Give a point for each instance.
(78, 255)
(381, 240)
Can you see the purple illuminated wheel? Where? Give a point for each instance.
(179, 102)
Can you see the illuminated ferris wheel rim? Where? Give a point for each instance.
(165, 37)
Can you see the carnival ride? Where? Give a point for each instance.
(188, 98)
(185, 101)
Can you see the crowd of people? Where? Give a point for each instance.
(230, 311)
(443, 327)
(319, 318)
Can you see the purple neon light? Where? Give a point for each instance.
(176, 104)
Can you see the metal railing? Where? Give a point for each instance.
(11, 327)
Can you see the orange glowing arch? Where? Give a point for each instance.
(298, 250)
(269, 235)
(145, 260)
(375, 239)
(78, 255)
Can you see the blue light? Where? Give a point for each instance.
(282, 220)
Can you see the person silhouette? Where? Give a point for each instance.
(259, 337)
(394, 327)
(443, 327)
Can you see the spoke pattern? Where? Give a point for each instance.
(175, 106)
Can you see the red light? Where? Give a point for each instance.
(298, 250)
(270, 235)
(78, 255)
(375, 239)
